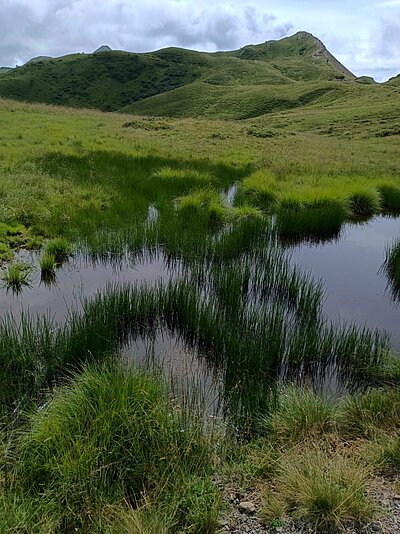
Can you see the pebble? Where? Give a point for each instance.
(247, 507)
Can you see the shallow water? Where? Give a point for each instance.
(356, 291)
(184, 365)
(80, 278)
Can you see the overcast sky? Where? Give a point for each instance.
(362, 34)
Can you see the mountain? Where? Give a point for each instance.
(256, 79)
(394, 81)
(104, 48)
(38, 59)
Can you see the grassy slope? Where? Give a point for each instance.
(327, 148)
(220, 84)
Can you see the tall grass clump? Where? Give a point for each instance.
(111, 436)
(316, 219)
(364, 203)
(16, 276)
(181, 179)
(259, 189)
(203, 205)
(47, 264)
(388, 457)
(390, 195)
(323, 489)
(300, 414)
(59, 248)
(370, 413)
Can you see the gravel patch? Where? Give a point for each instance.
(239, 517)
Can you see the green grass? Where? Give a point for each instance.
(371, 413)
(301, 415)
(111, 435)
(59, 249)
(328, 491)
(47, 263)
(165, 82)
(84, 181)
(16, 276)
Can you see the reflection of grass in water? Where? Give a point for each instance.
(258, 322)
(391, 268)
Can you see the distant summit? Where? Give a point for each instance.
(38, 59)
(104, 48)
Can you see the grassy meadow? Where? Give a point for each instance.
(92, 444)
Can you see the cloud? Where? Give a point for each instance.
(388, 43)
(389, 3)
(55, 27)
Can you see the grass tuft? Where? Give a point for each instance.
(59, 248)
(365, 415)
(112, 436)
(319, 218)
(301, 415)
(390, 195)
(365, 203)
(326, 490)
(16, 276)
(204, 205)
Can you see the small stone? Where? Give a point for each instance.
(247, 507)
(396, 497)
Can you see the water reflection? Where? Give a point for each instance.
(350, 267)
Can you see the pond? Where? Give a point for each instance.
(356, 289)
(233, 348)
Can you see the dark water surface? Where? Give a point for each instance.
(356, 289)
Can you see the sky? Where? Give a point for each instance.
(363, 34)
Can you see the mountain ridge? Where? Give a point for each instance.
(261, 78)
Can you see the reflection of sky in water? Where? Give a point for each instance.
(78, 279)
(349, 268)
(355, 290)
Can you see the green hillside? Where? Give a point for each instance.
(254, 80)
